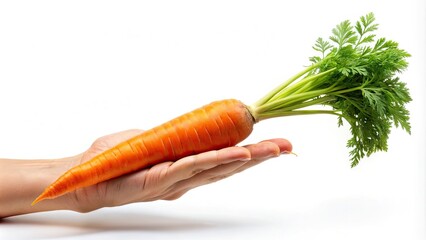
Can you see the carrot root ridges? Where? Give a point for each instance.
(216, 125)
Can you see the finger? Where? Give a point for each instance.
(284, 145)
(174, 195)
(192, 165)
(217, 173)
(265, 150)
(205, 177)
(259, 153)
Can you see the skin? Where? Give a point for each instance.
(22, 181)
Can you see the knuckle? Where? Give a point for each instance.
(218, 178)
(174, 196)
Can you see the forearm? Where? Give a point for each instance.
(21, 181)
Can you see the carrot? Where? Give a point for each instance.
(216, 125)
(353, 77)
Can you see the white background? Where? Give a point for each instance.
(72, 71)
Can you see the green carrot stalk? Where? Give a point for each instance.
(353, 77)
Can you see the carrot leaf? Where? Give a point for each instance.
(353, 77)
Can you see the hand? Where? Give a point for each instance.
(22, 181)
(169, 180)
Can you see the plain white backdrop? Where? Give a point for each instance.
(72, 71)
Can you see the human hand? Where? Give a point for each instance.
(169, 180)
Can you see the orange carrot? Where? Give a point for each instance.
(217, 125)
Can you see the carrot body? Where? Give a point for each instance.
(216, 125)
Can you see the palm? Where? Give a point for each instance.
(169, 180)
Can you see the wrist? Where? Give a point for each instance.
(21, 181)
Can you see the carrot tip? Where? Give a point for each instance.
(38, 199)
(34, 203)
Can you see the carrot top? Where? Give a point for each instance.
(354, 78)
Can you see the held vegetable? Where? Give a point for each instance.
(354, 78)
(217, 125)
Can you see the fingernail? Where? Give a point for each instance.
(244, 159)
(289, 152)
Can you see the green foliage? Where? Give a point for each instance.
(354, 75)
